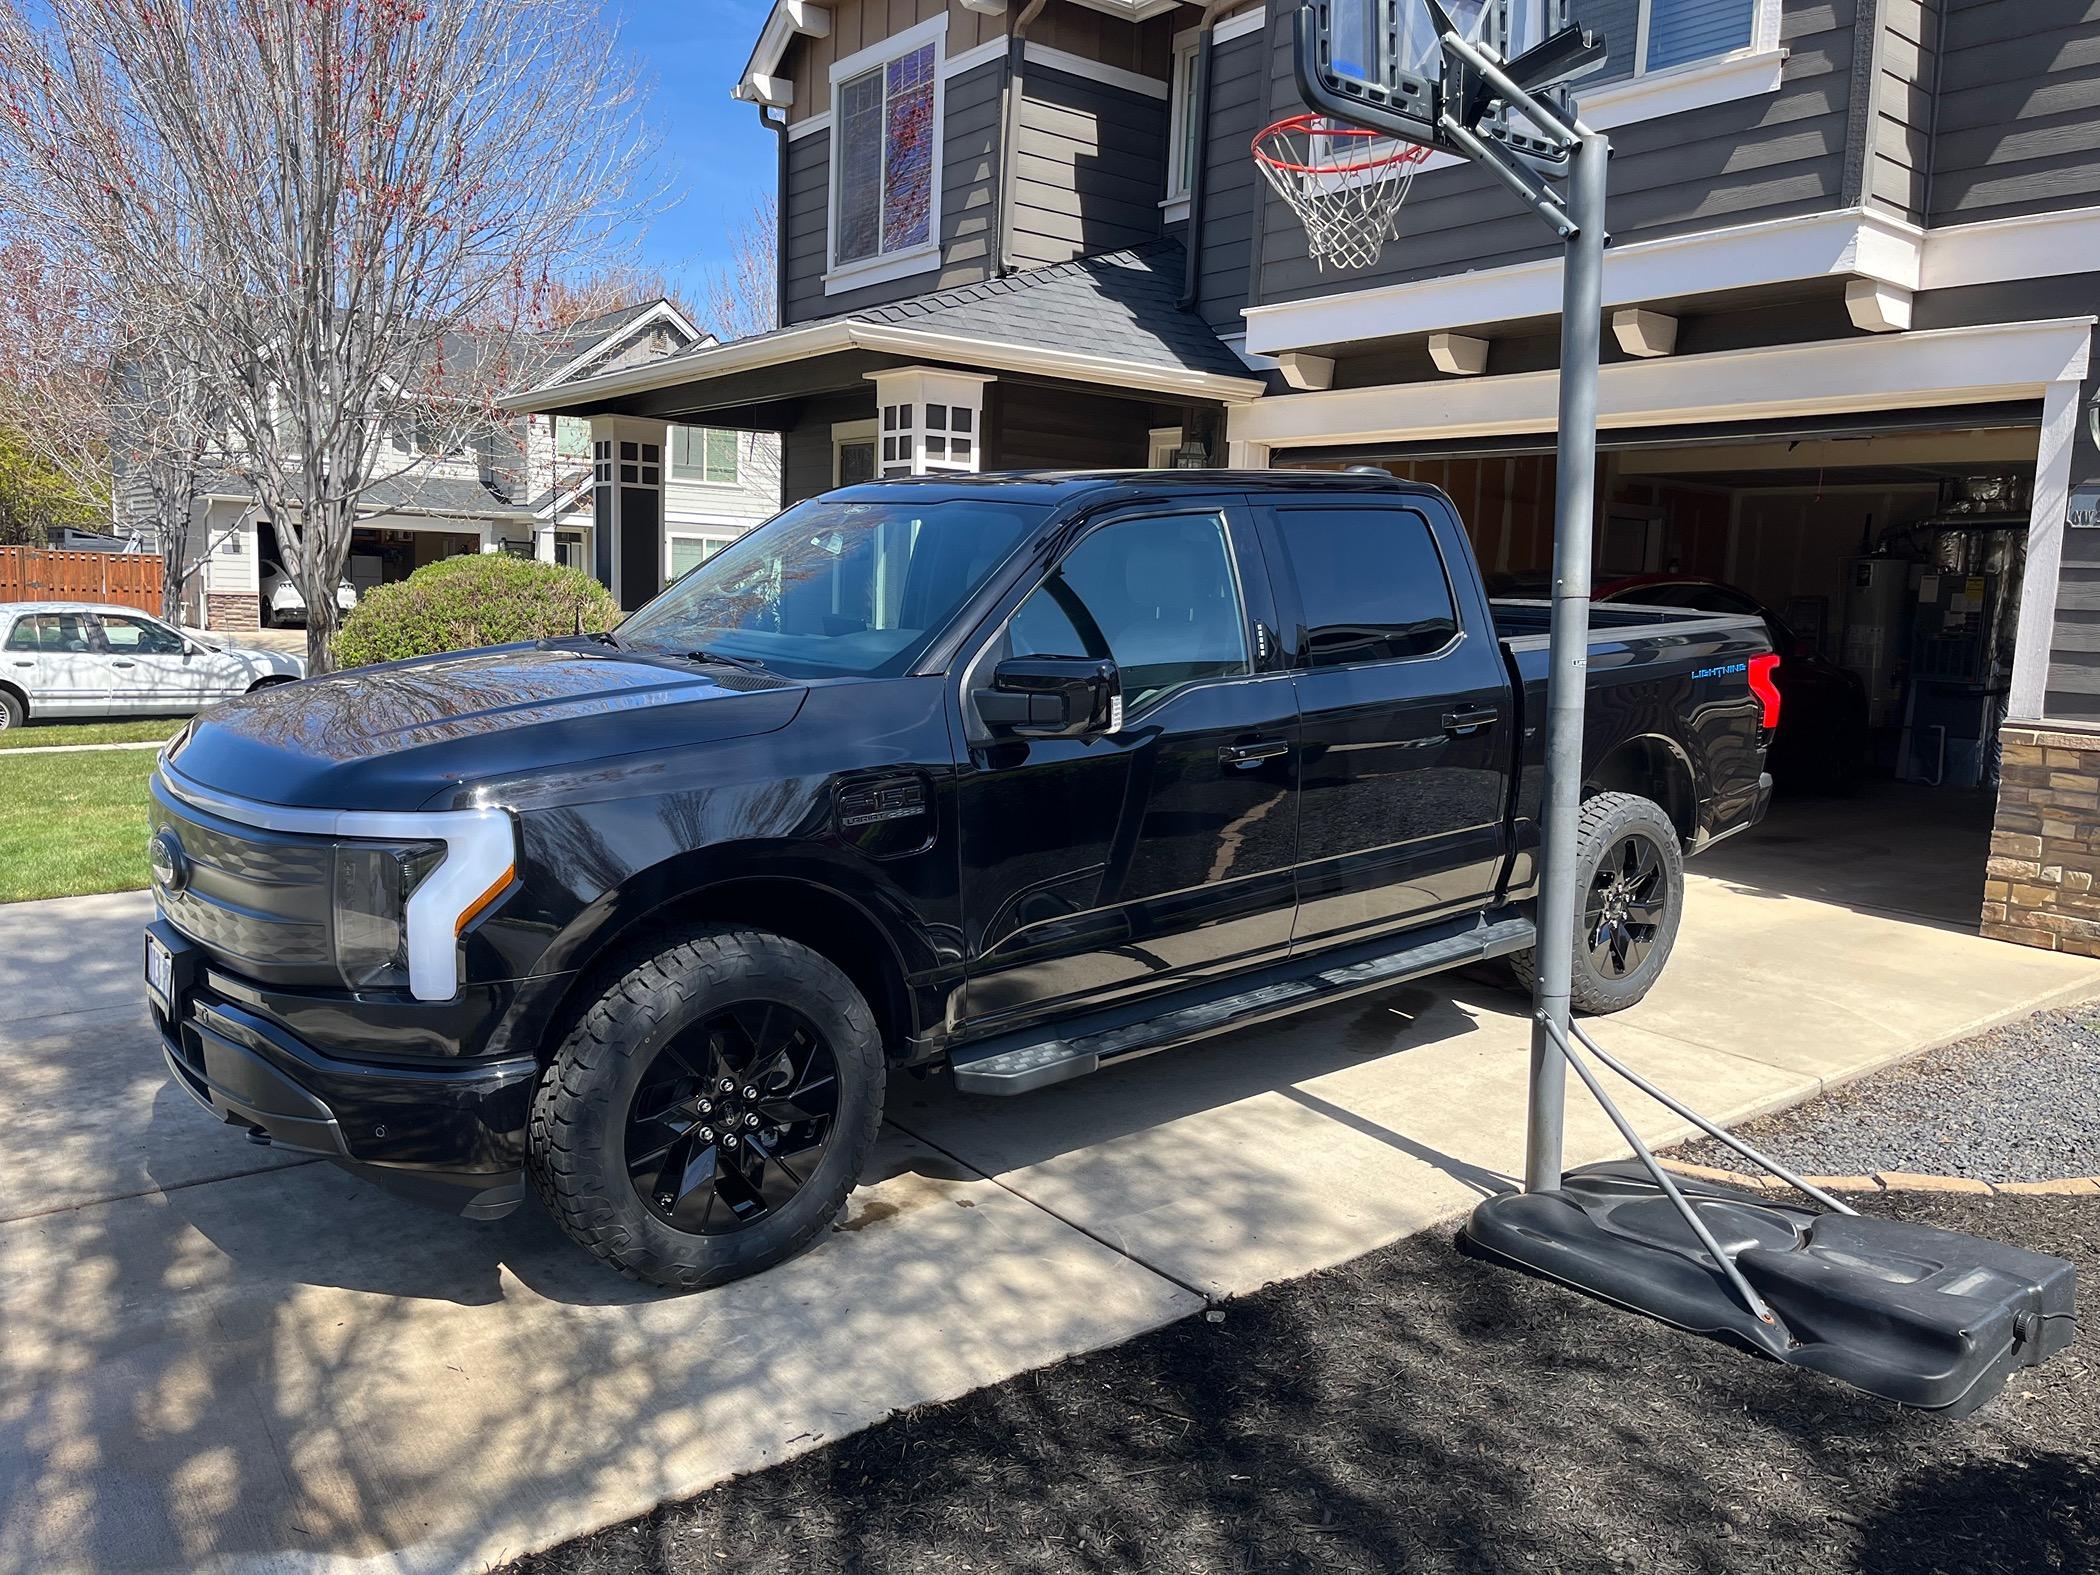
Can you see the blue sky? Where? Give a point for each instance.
(716, 161)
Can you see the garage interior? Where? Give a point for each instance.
(1887, 554)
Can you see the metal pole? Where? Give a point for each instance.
(1581, 324)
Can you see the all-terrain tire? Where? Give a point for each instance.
(1609, 822)
(576, 1158)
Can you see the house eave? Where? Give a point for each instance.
(889, 339)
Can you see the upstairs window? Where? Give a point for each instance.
(707, 454)
(886, 138)
(572, 438)
(1677, 32)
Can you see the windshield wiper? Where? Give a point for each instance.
(723, 659)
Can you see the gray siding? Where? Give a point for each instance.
(1090, 168)
(1896, 144)
(2017, 126)
(1764, 157)
(1238, 99)
(969, 204)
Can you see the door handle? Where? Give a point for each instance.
(1253, 754)
(124, 664)
(1470, 720)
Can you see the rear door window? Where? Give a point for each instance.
(1371, 583)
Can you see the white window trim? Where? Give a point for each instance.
(1188, 49)
(674, 476)
(884, 267)
(846, 432)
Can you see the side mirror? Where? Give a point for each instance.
(1052, 697)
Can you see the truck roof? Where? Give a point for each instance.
(1062, 486)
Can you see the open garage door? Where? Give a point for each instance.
(1885, 550)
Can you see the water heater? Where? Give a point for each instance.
(1877, 607)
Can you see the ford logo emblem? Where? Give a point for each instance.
(171, 866)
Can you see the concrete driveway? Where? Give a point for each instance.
(221, 1356)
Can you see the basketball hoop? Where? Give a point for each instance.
(1345, 184)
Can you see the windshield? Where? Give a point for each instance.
(832, 589)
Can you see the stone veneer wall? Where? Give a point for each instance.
(2039, 888)
(223, 611)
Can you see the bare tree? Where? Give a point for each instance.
(318, 197)
(740, 297)
(111, 402)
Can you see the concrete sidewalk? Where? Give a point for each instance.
(219, 1356)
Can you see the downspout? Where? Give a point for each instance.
(1199, 167)
(779, 128)
(1010, 131)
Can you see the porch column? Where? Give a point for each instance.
(928, 420)
(543, 543)
(627, 542)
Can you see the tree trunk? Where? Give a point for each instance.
(323, 618)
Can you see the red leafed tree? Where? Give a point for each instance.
(348, 215)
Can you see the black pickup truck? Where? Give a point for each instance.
(1015, 776)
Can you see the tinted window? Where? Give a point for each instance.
(1156, 596)
(831, 588)
(1370, 581)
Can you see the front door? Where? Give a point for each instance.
(1406, 721)
(156, 670)
(1101, 868)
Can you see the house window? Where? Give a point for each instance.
(572, 438)
(944, 437)
(1182, 140)
(706, 454)
(886, 135)
(1677, 32)
(689, 552)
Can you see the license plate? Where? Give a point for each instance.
(160, 973)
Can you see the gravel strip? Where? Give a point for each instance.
(2020, 1103)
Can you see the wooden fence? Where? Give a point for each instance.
(124, 579)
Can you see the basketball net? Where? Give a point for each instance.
(1345, 184)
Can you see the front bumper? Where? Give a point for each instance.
(452, 1135)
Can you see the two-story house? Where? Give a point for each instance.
(1851, 300)
(461, 483)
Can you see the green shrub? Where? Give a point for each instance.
(460, 603)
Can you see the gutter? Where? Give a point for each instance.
(779, 128)
(836, 334)
(1015, 89)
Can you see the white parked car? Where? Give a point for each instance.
(74, 659)
(282, 600)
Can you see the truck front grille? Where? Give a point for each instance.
(256, 900)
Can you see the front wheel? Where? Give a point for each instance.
(711, 1111)
(1629, 872)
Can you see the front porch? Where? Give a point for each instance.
(1092, 364)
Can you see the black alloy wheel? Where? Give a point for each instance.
(732, 1118)
(1627, 905)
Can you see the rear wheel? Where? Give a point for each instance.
(11, 711)
(711, 1112)
(1629, 870)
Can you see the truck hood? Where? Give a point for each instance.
(406, 734)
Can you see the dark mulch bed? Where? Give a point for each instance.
(1418, 1410)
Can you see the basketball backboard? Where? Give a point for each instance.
(1381, 64)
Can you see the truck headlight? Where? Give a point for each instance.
(373, 882)
(398, 908)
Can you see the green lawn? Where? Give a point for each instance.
(44, 734)
(72, 824)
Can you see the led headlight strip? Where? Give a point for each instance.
(481, 852)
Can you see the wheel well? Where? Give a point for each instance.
(270, 682)
(828, 924)
(1654, 770)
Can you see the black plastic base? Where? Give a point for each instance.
(1928, 1318)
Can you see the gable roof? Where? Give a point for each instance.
(1115, 319)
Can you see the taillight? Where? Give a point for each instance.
(1761, 670)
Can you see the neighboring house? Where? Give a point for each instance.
(1851, 293)
(523, 487)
